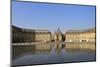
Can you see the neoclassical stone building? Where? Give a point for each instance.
(17, 34)
(43, 35)
(80, 35)
(30, 35)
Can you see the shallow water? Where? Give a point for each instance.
(43, 54)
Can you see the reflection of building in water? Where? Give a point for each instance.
(30, 35)
(58, 35)
(80, 45)
(43, 47)
(80, 36)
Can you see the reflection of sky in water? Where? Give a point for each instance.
(54, 55)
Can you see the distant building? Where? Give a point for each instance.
(58, 35)
(43, 35)
(30, 35)
(80, 36)
(17, 34)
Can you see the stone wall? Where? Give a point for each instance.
(29, 35)
(80, 36)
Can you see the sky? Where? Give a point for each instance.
(49, 16)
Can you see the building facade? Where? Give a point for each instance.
(80, 36)
(17, 34)
(43, 35)
(29, 35)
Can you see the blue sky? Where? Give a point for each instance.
(51, 16)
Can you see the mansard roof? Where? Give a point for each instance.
(30, 30)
